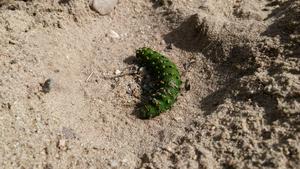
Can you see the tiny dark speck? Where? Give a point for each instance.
(187, 85)
(46, 86)
(14, 61)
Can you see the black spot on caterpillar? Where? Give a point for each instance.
(167, 82)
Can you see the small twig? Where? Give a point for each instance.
(121, 75)
(88, 78)
(206, 47)
(130, 71)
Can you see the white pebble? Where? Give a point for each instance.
(114, 163)
(103, 7)
(62, 144)
(114, 34)
(118, 72)
(142, 69)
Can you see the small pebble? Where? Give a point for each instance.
(103, 7)
(114, 163)
(62, 144)
(142, 70)
(114, 34)
(178, 119)
(136, 93)
(46, 87)
(118, 72)
(129, 90)
(113, 86)
(187, 85)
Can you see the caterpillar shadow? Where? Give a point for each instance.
(146, 84)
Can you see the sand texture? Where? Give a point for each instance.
(70, 85)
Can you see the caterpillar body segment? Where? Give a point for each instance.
(167, 76)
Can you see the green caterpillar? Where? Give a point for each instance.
(167, 82)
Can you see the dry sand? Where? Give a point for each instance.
(240, 57)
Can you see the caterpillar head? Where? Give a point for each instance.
(144, 53)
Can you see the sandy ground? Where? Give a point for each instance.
(240, 58)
